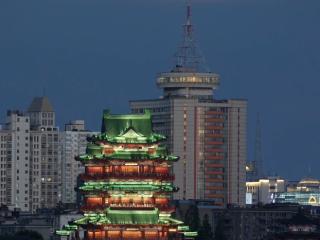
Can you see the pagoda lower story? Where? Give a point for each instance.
(127, 185)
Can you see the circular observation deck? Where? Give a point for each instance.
(188, 83)
(181, 79)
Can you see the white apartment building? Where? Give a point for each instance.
(14, 157)
(30, 168)
(4, 139)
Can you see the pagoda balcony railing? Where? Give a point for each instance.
(161, 207)
(176, 236)
(104, 191)
(100, 176)
(117, 238)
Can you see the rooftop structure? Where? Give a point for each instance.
(306, 192)
(41, 113)
(263, 190)
(190, 76)
(309, 185)
(40, 104)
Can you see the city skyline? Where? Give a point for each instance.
(276, 85)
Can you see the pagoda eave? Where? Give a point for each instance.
(121, 226)
(103, 159)
(106, 140)
(101, 209)
(96, 191)
(111, 177)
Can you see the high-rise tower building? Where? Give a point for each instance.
(209, 135)
(45, 163)
(15, 162)
(30, 176)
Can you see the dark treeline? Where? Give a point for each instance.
(22, 235)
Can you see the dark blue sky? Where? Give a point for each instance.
(95, 54)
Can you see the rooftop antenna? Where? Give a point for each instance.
(188, 23)
(309, 170)
(258, 164)
(43, 91)
(188, 57)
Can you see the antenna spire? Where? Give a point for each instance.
(188, 26)
(43, 91)
(188, 57)
(258, 164)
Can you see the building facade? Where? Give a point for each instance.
(30, 158)
(15, 164)
(264, 190)
(209, 135)
(305, 192)
(238, 223)
(73, 142)
(45, 155)
(4, 141)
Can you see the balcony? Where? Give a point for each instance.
(104, 176)
(127, 206)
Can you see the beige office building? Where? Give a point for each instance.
(209, 135)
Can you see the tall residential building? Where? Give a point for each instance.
(4, 137)
(30, 175)
(209, 135)
(73, 143)
(45, 163)
(14, 157)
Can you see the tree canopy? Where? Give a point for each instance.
(22, 235)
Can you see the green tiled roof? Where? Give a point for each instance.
(115, 125)
(127, 186)
(128, 128)
(127, 156)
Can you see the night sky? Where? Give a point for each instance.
(87, 55)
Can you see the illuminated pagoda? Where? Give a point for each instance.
(127, 184)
